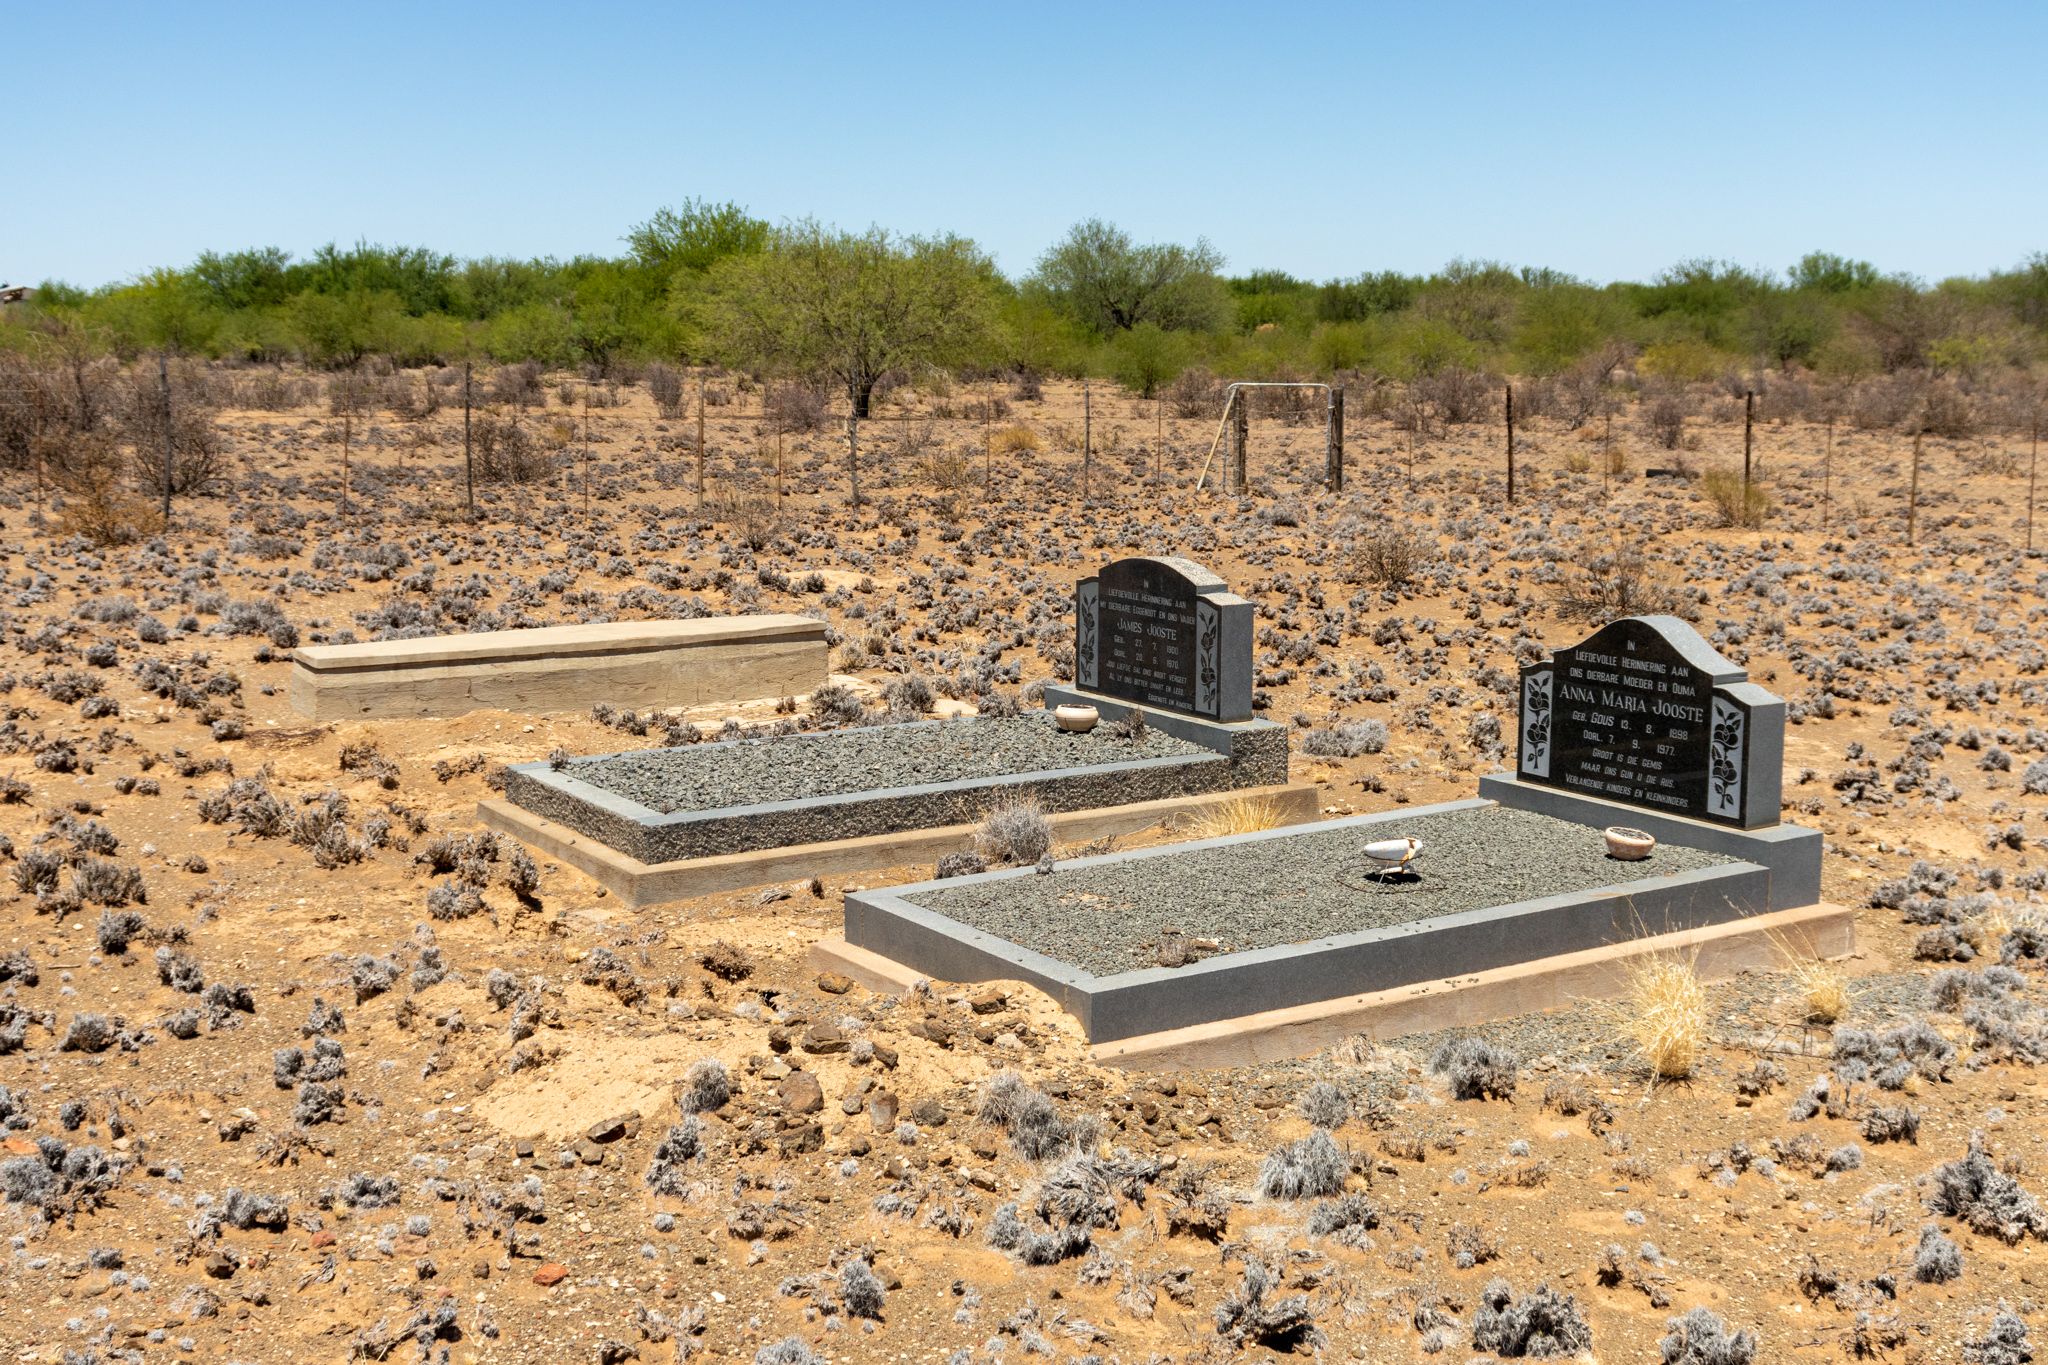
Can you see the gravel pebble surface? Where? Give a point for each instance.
(749, 772)
(1267, 892)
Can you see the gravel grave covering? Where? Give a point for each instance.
(1263, 893)
(749, 772)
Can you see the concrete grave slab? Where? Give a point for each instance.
(563, 668)
(1717, 952)
(1207, 758)
(893, 924)
(1791, 852)
(639, 884)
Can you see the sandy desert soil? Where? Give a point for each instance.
(299, 1066)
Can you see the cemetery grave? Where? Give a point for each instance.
(562, 668)
(1169, 647)
(1642, 726)
(504, 1017)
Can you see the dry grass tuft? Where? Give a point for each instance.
(949, 475)
(1016, 832)
(1355, 1050)
(752, 514)
(1666, 1015)
(1823, 991)
(1239, 815)
(1983, 932)
(96, 505)
(1016, 440)
(1821, 987)
(1734, 504)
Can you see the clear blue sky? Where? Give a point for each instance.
(1606, 140)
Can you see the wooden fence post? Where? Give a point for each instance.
(1607, 456)
(468, 462)
(853, 457)
(1748, 426)
(1240, 435)
(1087, 439)
(348, 412)
(163, 379)
(2033, 464)
(1335, 454)
(1827, 477)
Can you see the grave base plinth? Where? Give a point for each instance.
(1716, 952)
(640, 884)
(1258, 745)
(1790, 852)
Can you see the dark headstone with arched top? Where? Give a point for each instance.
(1645, 712)
(1164, 633)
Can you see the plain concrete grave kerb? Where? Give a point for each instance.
(635, 664)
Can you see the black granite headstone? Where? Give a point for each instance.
(1164, 633)
(1645, 712)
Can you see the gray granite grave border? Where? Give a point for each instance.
(1791, 852)
(889, 922)
(1261, 744)
(649, 836)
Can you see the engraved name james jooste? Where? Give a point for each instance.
(1165, 633)
(1154, 655)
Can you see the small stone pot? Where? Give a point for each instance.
(1629, 845)
(1077, 720)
